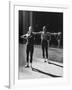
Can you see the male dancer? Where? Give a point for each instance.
(44, 42)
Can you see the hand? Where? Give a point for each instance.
(23, 36)
(59, 33)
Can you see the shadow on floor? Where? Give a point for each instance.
(37, 70)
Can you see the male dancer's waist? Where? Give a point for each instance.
(44, 41)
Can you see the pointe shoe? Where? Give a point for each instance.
(31, 65)
(45, 60)
(26, 66)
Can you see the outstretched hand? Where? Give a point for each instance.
(22, 36)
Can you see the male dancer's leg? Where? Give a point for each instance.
(43, 54)
(46, 51)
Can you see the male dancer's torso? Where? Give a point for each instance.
(44, 37)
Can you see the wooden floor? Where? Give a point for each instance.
(40, 68)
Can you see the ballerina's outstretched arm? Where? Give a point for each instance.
(24, 36)
(37, 32)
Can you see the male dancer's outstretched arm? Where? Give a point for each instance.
(52, 33)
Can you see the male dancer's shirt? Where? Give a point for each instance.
(45, 36)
